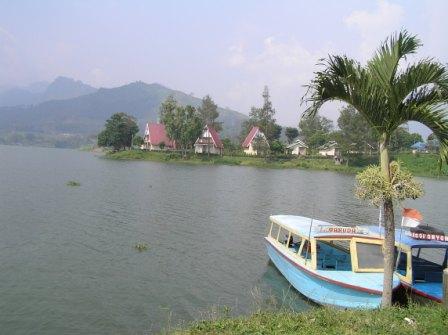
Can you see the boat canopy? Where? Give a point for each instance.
(402, 237)
(313, 228)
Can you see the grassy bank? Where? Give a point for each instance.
(430, 319)
(424, 165)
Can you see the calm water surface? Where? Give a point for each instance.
(67, 258)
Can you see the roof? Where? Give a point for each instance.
(419, 145)
(311, 227)
(215, 136)
(250, 137)
(329, 145)
(403, 238)
(297, 142)
(157, 134)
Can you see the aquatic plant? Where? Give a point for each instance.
(73, 183)
(140, 247)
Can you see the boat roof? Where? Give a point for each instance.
(305, 226)
(403, 238)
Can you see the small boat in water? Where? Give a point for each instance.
(422, 255)
(331, 265)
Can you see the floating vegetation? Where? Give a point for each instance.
(73, 183)
(141, 247)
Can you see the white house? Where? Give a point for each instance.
(298, 148)
(248, 144)
(209, 142)
(156, 138)
(330, 149)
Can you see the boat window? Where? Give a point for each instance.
(294, 242)
(274, 231)
(283, 237)
(428, 264)
(334, 255)
(402, 263)
(370, 256)
(306, 249)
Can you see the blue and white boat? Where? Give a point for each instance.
(331, 265)
(422, 256)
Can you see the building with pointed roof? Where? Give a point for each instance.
(155, 137)
(298, 147)
(330, 149)
(209, 142)
(248, 143)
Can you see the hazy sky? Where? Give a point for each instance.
(228, 49)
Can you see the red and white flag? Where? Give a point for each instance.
(411, 217)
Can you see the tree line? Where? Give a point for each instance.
(183, 125)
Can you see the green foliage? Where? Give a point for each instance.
(118, 132)
(73, 183)
(263, 118)
(355, 132)
(277, 147)
(261, 146)
(291, 133)
(431, 319)
(137, 141)
(209, 114)
(315, 130)
(140, 247)
(373, 186)
(423, 165)
(386, 94)
(182, 123)
(401, 139)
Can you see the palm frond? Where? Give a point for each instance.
(384, 64)
(419, 76)
(344, 79)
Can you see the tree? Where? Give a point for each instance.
(277, 147)
(118, 132)
(261, 146)
(402, 139)
(182, 123)
(230, 146)
(209, 114)
(356, 133)
(263, 118)
(315, 130)
(291, 133)
(387, 95)
(137, 141)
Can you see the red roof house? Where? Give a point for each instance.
(209, 142)
(155, 135)
(247, 145)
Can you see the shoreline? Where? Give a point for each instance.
(414, 319)
(423, 165)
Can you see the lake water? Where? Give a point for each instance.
(67, 259)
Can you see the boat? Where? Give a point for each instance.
(422, 255)
(339, 266)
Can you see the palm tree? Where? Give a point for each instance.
(387, 93)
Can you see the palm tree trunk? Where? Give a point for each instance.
(389, 229)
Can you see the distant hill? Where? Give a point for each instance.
(85, 115)
(60, 88)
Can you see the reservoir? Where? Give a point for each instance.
(68, 262)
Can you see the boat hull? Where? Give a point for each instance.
(425, 294)
(320, 290)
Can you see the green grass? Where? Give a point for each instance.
(73, 183)
(424, 165)
(430, 319)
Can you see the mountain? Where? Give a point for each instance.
(60, 88)
(85, 115)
